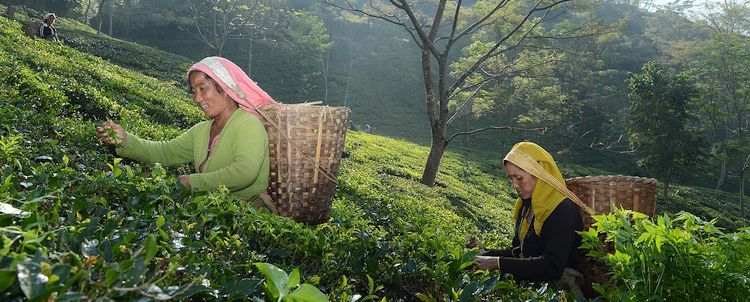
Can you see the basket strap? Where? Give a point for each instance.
(321, 118)
(327, 174)
(289, 175)
(539, 172)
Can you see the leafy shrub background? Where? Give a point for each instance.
(80, 223)
(671, 259)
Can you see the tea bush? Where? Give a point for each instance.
(78, 223)
(81, 223)
(671, 259)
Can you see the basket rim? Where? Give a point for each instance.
(617, 178)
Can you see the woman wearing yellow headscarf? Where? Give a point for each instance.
(546, 219)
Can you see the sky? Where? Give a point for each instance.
(697, 3)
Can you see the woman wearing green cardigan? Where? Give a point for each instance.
(230, 149)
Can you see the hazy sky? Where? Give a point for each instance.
(696, 2)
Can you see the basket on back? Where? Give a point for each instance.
(603, 194)
(305, 145)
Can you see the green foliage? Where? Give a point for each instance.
(660, 115)
(79, 224)
(164, 66)
(306, 36)
(10, 149)
(282, 287)
(670, 259)
(708, 204)
(215, 22)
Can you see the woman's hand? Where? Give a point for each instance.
(473, 241)
(184, 181)
(487, 263)
(111, 133)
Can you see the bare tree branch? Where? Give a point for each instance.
(481, 21)
(427, 41)
(468, 102)
(542, 130)
(465, 75)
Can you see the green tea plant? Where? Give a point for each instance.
(670, 259)
(10, 150)
(79, 223)
(280, 286)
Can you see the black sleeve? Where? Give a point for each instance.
(46, 32)
(559, 237)
(499, 253)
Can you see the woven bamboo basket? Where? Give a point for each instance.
(602, 194)
(305, 145)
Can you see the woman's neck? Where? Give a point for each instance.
(221, 120)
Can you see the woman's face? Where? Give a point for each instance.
(208, 97)
(522, 181)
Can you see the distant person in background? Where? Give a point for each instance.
(10, 11)
(367, 128)
(351, 126)
(47, 29)
(230, 149)
(545, 244)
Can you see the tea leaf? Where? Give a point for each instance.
(151, 248)
(306, 293)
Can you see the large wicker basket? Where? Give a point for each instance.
(602, 194)
(305, 146)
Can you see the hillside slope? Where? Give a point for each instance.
(110, 228)
(89, 225)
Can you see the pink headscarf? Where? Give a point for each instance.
(235, 83)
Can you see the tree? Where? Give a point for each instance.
(215, 22)
(306, 39)
(724, 67)
(660, 115)
(436, 27)
(66, 8)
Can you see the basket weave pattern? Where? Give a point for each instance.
(603, 194)
(304, 152)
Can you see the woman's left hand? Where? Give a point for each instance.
(184, 181)
(487, 262)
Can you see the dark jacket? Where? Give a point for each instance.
(47, 32)
(544, 257)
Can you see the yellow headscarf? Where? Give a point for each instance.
(550, 189)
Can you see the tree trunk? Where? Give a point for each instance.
(438, 115)
(86, 12)
(667, 179)
(433, 159)
(742, 192)
(250, 58)
(438, 139)
(100, 17)
(111, 15)
(743, 175)
(324, 61)
(723, 173)
(348, 79)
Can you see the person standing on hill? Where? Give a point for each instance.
(545, 244)
(230, 149)
(47, 29)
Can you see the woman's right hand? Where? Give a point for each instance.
(111, 133)
(473, 241)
